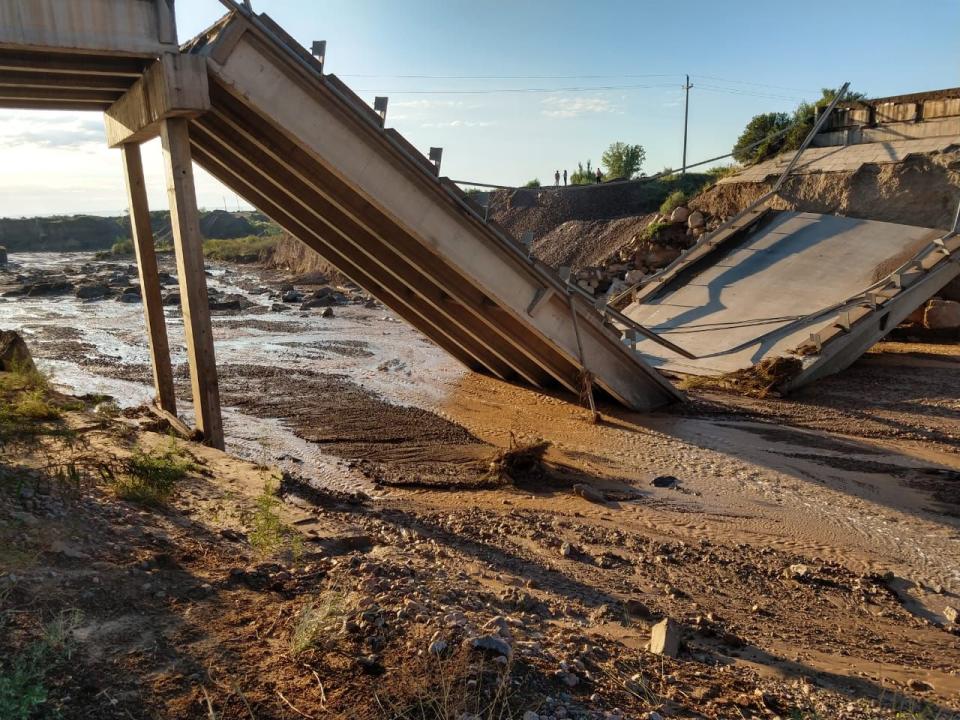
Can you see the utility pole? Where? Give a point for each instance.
(686, 115)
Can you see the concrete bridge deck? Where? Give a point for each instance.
(817, 287)
(255, 109)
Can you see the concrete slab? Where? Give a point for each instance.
(764, 296)
(844, 158)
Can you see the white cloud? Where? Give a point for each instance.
(568, 107)
(457, 124)
(427, 104)
(57, 130)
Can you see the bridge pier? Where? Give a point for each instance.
(194, 304)
(143, 245)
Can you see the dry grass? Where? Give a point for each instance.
(520, 462)
(761, 380)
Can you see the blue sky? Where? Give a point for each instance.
(743, 58)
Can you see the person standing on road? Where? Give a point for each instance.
(556, 178)
(564, 178)
(599, 176)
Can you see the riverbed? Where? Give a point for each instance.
(100, 346)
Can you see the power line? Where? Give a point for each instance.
(509, 77)
(757, 84)
(748, 93)
(587, 88)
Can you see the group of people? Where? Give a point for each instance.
(556, 178)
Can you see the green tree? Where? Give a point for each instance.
(535, 183)
(794, 127)
(583, 175)
(623, 160)
(761, 126)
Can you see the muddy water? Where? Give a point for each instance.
(320, 396)
(100, 347)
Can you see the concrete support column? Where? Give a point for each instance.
(142, 235)
(188, 243)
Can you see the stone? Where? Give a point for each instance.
(665, 638)
(14, 354)
(291, 296)
(317, 302)
(171, 298)
(696, 220)
(327, 312)
(951, 613)
(796, 571)
(920, 685)
(566, 550)
(679, 215)
(437, 647)
(92, 292)
(942, 315)
(665, 481)
(633, 277)
(492, 643)
(530, 715)
(49, 288)
(588, 492)
(130, 298)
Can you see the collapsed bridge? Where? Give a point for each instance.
(255, 109)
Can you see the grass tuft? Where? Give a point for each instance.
(150, 476)
(317, 619)
(24, 674)
(252, 248)
(673, 201)
(270, 533)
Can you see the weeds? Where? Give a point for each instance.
(150, 477)
(240, 250)
(23, 674)
(33, 405)
(484, 694)
(316, 619)
(270, 533)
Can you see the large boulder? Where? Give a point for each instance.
(942, 315)
(696, 220)
(679, 215)
(93, 291)
(14, 354)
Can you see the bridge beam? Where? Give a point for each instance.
(174, 86)
(149, 279)
(188, 243)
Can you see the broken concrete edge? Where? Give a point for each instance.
(842, 346)
(176, 85)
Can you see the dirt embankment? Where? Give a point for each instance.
(77, 233)
(572, 227)
(300, 260)
(923, 190)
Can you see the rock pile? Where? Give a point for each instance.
(652, 249)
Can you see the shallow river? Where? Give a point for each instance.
(100, 347)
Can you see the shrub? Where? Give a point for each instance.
(673, 201)
(535, 183)
(583, 175)
(270, 533)
(33, 405)
(240, 250)
(150, 477)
